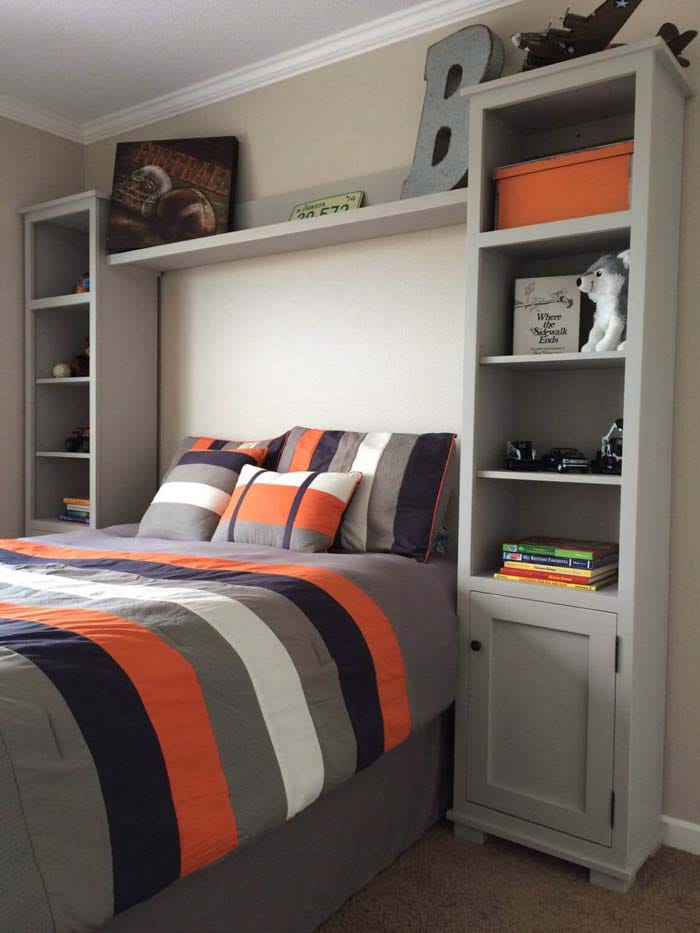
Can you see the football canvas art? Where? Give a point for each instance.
(170, 190)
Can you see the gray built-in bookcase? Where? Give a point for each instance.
(117, 401)
(561, 699)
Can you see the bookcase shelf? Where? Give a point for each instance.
(586, 479)
(68, 381)
(60, 302)
(561, 695)
(62, 455)
(604, 600)
(578, 235)
(54, 526)
(556, 362)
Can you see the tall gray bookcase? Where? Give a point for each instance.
(117, 401)
(561, 703)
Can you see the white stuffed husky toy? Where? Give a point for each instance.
(605, 283)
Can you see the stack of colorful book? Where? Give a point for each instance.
(578, 565)
(76, 510)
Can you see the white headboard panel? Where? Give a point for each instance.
(363, 337)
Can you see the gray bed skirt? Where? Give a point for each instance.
(294, 878)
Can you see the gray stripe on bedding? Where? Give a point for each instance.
(60, 795)
(247, 756)
(317, 672)
(24, 905)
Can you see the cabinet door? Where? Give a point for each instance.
(541, 713)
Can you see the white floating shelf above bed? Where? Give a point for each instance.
(379, 220)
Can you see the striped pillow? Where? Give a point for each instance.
(195, 493)
(295, 511)
(274, 447)
(404, 491)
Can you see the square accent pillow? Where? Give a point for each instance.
(295, 511)
(195, 493)
(406, 484)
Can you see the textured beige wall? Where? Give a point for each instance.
(34, 167)
(360, 116)
(343, 337)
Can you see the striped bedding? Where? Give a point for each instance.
(163, 703)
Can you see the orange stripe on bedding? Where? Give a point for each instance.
(202, 443)
(304, 451)
(172, 697)
(374, 625)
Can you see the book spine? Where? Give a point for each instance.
(72, 518)
(531, 558)
(552, 569)
(561, 577)
(69, 501)
(570, 586)
(549, 551)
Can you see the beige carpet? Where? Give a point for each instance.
(444, 885)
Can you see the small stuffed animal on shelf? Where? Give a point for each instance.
(605, 283)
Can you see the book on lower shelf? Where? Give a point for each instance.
(578, 565)
(76, 510)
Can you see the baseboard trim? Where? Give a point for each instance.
(680, 834)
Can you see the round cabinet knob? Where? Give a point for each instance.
(475, 645)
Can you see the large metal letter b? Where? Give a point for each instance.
(470, 56)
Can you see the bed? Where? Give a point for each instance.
(213, 736)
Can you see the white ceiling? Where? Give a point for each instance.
(79, 64)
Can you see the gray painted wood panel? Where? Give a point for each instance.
(541, 713)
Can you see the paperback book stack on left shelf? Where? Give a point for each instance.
(76, 510)
(578, 565)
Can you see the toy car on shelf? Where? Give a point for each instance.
(521, 455)
(609, 457)
(79, 441)
(565, 460)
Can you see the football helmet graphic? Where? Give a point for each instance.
(143, 189)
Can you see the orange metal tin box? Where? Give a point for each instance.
(575, 184)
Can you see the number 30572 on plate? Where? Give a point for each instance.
(323, 207)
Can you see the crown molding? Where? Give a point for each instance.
(405, 24)
(22, 112)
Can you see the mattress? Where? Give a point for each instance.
(164, 704)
